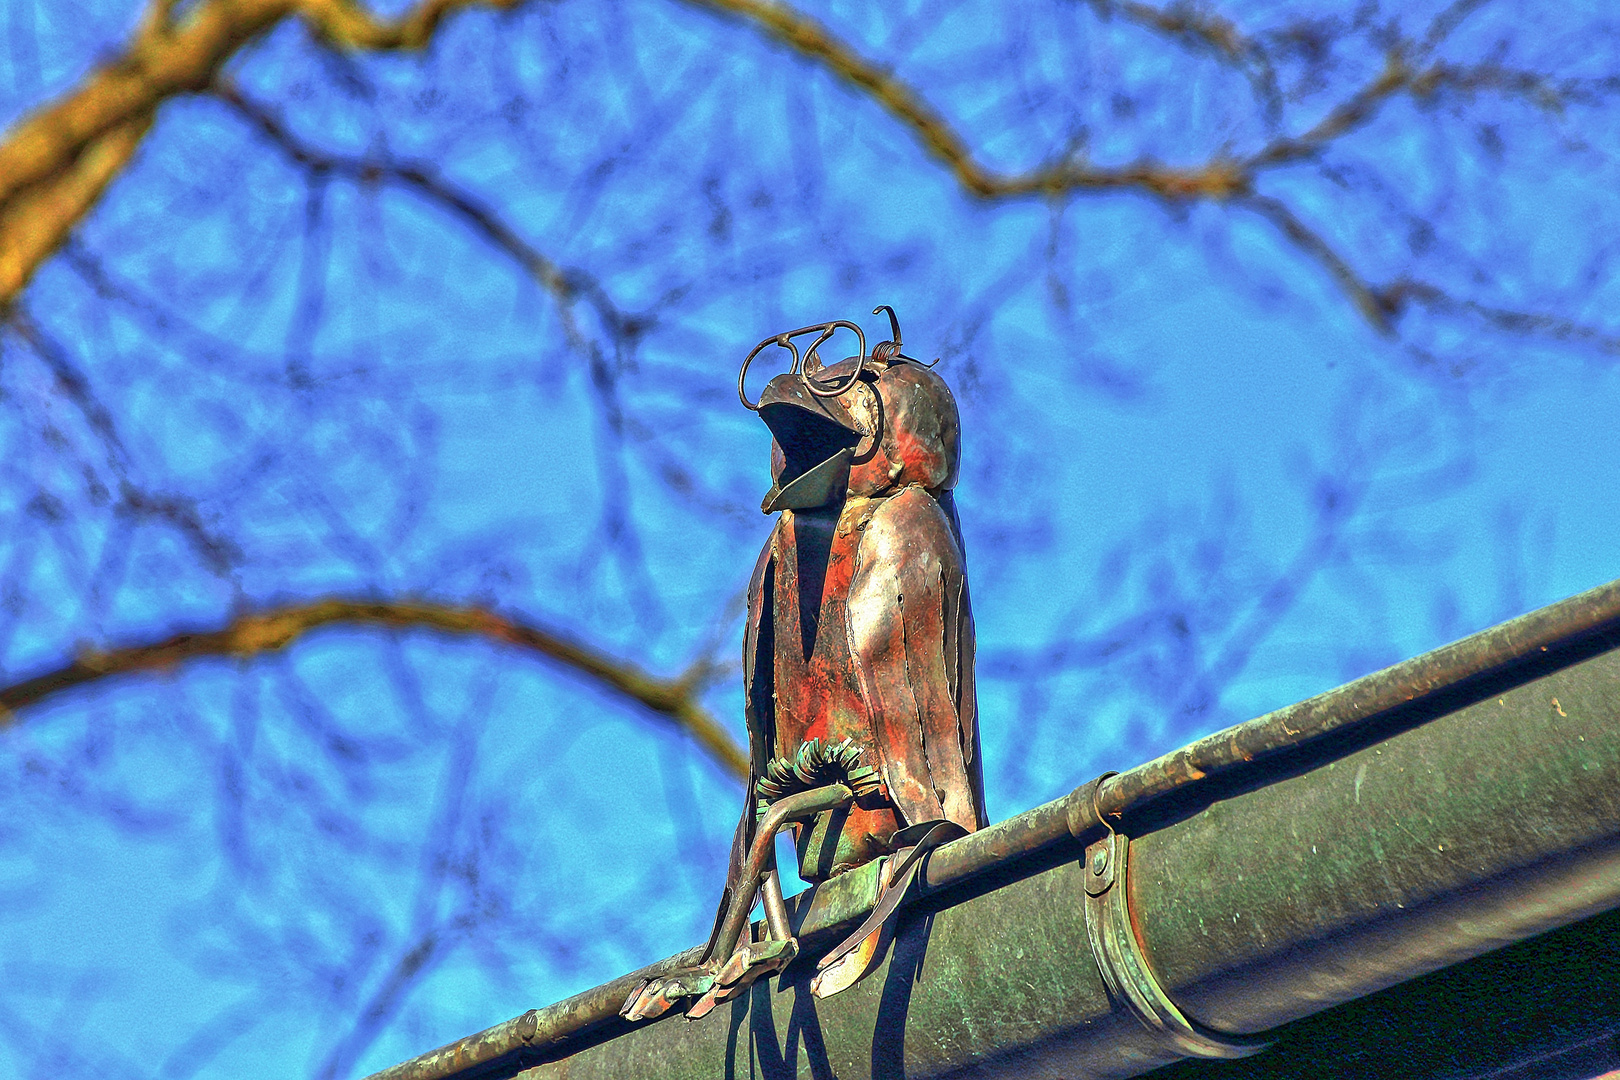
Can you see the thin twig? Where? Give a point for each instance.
(1224, 178)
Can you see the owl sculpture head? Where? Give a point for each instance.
(865, 426)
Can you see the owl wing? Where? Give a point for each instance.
(759, 675)
(759, 662)
(911, 635)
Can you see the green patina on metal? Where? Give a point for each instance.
(1482, 827)
(965, 983)
(1479, 828)
(1480, 807)
(819, 917)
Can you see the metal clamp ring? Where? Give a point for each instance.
(1125, 967)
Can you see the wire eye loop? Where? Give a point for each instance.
(810, 363)
(781, 341)
(827, 331)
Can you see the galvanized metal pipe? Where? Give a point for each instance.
(1243, 983)
(1544, 638)
(1527, 640)
(1482, 827)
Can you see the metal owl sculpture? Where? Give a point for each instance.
(857, 659)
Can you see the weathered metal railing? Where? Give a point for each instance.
(1410, 820)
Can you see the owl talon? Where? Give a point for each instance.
(852, 967)
(655, 997)
(755, 960)
(747, 965)
(860, 953)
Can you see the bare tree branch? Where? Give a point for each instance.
(1218, 179)
(1224, 178)
(566, 285)
(1369, 299)
(55, 163)
(1355, 111)
(617, 329)
(257, 633)
(1538, 89)
(36, 220)
(1205, 31)
(180, 511)
(384, 1002)
(1518, 323)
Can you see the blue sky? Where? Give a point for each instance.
(1198, 484)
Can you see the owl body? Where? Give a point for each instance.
(857, 662)
(859, 622)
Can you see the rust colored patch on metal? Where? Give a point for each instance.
(858, 651)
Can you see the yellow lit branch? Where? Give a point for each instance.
(257, 633)
(55, 163)
(803, 34)
(1223, 178)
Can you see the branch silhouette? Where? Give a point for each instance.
(56, 163)
(1224, 178)
(566, 284)
(1202, 30)
(271, 630)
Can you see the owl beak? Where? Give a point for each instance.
(818, 437)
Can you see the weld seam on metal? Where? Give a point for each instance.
(1124, 966)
